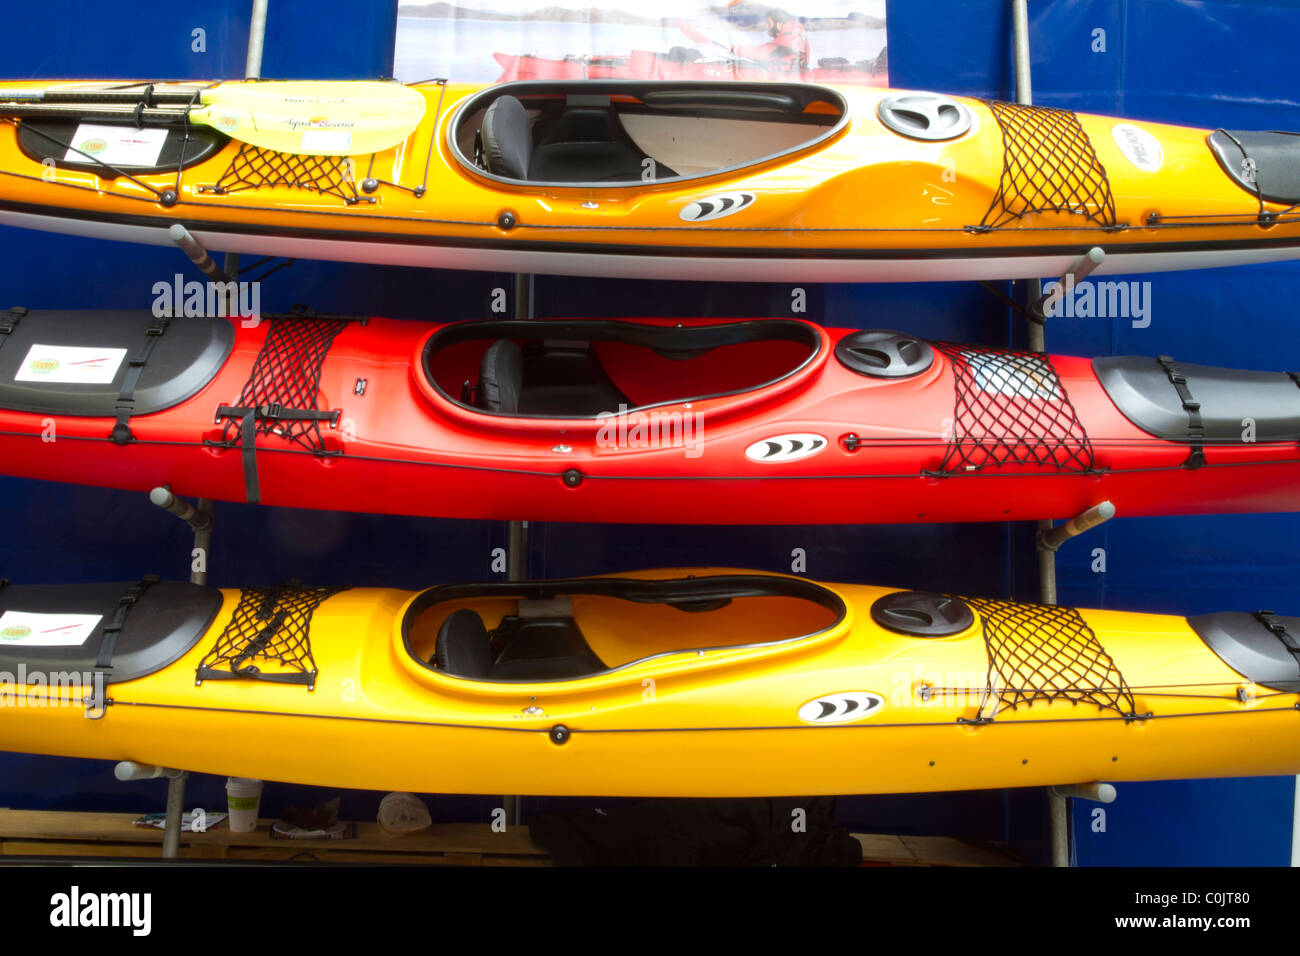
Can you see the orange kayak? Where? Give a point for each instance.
(678, 180)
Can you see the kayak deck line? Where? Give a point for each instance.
(1288, 216)
(578, 731)
(593, 476)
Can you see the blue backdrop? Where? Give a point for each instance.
(1201, 64)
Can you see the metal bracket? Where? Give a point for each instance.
(130, 770)
(1052, 539)
(1083, 267)
(198, 516)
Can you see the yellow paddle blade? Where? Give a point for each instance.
(325, 118)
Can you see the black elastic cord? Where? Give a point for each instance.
(121, 433)
(1195, 424)
(111, 633)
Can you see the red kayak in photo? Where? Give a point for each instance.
(681, 64)
(703, 421)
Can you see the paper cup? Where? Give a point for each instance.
(243, 797)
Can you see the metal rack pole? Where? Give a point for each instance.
(252, 71)
(517, 531)
(198, 516)
(130, 770)
(1049, 537)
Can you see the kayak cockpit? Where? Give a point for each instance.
(623, 132)
(526, 632)
(589, 368)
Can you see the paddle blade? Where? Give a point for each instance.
(328, 118)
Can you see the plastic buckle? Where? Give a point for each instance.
(271, 411)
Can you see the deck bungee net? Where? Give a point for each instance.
(1011, 408)
(1049, 165)
(1045, 652)
(282, 394)
(271, 626)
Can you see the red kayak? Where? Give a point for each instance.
(704, 421)
(681, 65)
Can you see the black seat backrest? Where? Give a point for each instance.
(501, 378)
(583, 125)
(589, 144)
(507, 138)
(463, 648)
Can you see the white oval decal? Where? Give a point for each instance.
(841, 708)
(786, 447)
(1140, 148)
(715, 207)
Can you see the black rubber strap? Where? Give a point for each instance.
(121, 433)
(9, 322)
(248, 417)
(111, 633)
(1195, 424)
(1270, 621)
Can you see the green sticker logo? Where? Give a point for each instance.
(94, 146)
(15, 632)
(44, 366)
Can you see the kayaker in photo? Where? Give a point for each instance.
(788, 47)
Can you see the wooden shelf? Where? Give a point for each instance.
(50, 833)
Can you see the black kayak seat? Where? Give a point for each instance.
(545, 648)
(1271, 158)
(580, 145)
(523, 650)
(1140, 388)
(184, 359)
(500, 377)
(463, 648)
(550, 380)
(165, 623)
(1256, 651)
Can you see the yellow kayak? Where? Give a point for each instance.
(679, 180)
(703, 683)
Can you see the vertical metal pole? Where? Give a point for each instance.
(256, 39)
(1020, 37)
(171, 848)
(1059, 809)
(252, 71)
(517, 531)
(202, 543)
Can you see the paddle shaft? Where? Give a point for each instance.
(146, 115)
(90, 97)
